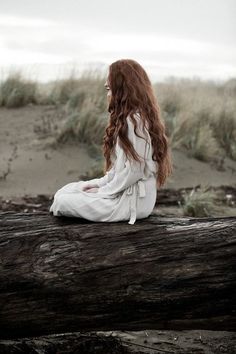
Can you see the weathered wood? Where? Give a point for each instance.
(70, 343)
(63, 274)
(123, 342)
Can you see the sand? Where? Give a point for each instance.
(35, 167)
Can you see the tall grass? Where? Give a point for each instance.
(224, 127)
(86, 124)
(200, 117)
(199, 203)
(16, 91)
(73, 90)
(193, 133)
(85, 102)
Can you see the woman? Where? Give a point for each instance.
(136, 152)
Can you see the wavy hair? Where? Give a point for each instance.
(131, 90)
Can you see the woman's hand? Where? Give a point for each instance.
(90, 188)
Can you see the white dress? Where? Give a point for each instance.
(126, 192)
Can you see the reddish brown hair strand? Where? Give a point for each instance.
(132, 91)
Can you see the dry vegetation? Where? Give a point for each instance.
(200, 116)
(199, 203)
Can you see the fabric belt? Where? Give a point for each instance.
(135, 190)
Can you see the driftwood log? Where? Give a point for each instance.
(126, 342)
(62, 274)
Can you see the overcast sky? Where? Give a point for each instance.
(187, 38)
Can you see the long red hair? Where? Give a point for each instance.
(131, 91)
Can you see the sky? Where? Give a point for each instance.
(169, 38)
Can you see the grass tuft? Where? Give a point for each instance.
(199, 203)
(16, 91)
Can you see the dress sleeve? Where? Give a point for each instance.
(104, 179)
(133, 170)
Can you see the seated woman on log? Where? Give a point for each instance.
(136, 151)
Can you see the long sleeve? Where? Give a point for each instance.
(132, 170)
(101, 181)
(106, 178)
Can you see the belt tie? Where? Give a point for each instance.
(136, 189)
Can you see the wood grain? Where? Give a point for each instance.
(60, 274)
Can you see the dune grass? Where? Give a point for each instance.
(86, 124)
(199, 203)
(84, 103)
(200, 116)
(16, 91)
(224, 127)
